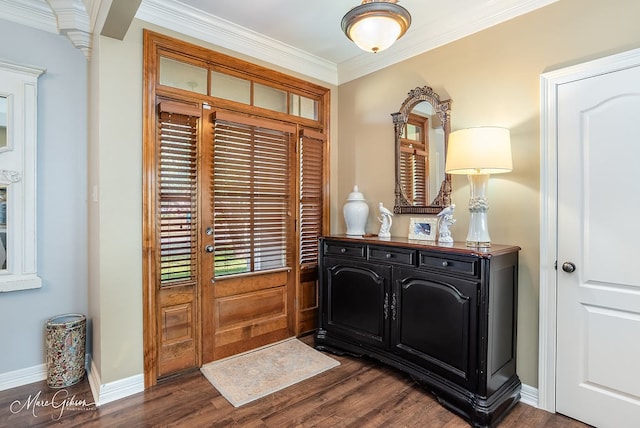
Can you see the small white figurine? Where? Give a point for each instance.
(385, 219)
(445, 220)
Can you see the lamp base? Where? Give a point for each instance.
(478, 235)
(476, 244)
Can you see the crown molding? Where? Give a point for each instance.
(73, 22)
(209, 28)
(66, 17)
(32, 13)
(71, 14)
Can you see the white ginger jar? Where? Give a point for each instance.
(356, 212)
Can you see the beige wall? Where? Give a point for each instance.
(93, 214)
(115, 206)
(493, 79)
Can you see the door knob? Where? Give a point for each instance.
(568, 267)
(209, 248)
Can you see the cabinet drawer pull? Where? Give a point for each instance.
(388, 255)
(393, 306)
(445, 263)
(343, 250)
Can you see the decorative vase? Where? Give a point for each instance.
(66, 337)
(355, 212)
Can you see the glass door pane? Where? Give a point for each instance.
(230, 87)
(269, 98)
(183, 76)
(304, 107)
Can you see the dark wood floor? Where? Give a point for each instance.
(358, 393)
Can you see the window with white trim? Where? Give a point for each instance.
(18, 123)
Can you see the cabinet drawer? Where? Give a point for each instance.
(449, 264)
(344, 249)
(392, 255)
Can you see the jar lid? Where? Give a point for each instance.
(355, 195)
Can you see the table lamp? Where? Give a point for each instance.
(478, 152)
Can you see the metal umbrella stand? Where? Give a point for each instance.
(66, 336)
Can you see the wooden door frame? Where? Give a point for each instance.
(547, 324)
(153, 43)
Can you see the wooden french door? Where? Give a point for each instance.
(226, 221)
(249, 299)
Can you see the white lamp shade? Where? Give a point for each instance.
(484, 150)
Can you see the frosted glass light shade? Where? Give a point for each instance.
(484, 150)
(375, 34)
(376, 24)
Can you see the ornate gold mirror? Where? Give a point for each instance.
(421, 129)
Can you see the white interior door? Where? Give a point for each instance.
(598, 304)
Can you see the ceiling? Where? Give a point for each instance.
(305, 35)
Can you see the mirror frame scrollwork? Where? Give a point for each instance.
(400, 119)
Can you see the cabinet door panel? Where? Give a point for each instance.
(437, 323)
(357, 296)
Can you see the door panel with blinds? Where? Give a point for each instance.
(177, 237)
(253, 232)
(311, 157)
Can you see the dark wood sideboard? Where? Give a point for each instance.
(444, 314)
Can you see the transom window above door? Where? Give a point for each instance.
(226, 85)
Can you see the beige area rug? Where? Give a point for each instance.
(246, 377)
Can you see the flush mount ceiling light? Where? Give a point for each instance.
(376, 24)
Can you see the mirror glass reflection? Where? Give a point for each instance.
(422, 155)
(421, 129)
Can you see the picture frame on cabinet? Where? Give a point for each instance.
(423, 228)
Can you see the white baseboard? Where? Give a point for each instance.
(102, 393)
(28, 375)
(529, 395)
(106, 393)
(23, 376)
